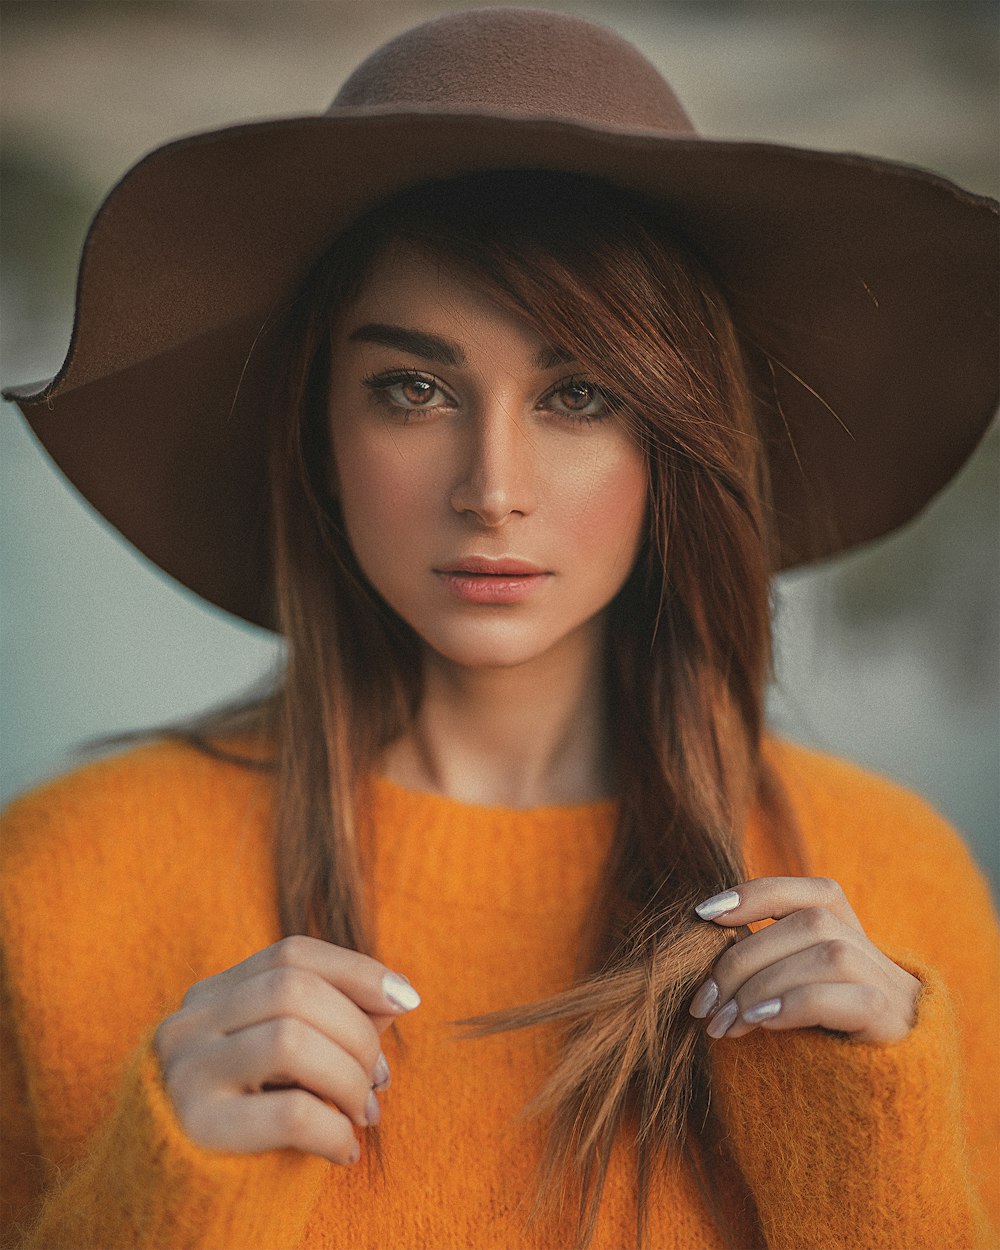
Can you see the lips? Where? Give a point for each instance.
(492, 580)
(489, 566)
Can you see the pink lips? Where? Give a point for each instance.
(483, 579)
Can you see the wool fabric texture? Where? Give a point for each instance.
(136, 876)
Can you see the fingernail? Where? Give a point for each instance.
(399, 992)
(721, 1022)
(718, 905)
(381, 1077)
(763, 1011)
(704, 1000)
(355, 1154)
(373, 1112)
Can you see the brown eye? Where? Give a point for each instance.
(578, 401)
(416, 391)
(577, 396)
(407, 391)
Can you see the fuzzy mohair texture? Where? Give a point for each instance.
(127, 881)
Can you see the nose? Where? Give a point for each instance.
(496, 479)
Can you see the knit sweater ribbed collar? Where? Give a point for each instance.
(430, 842)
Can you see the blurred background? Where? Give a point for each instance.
(890, 657)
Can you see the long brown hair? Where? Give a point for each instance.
(601, 274)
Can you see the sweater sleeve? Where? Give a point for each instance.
(109, 909)
(846, 1144)
(21, 1180)
(141, 1184)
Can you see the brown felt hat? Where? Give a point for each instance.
(866, 291)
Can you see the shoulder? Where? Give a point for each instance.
(118, 819)
(893, 853)
(122, 883)
(825, 789)
(147, 782)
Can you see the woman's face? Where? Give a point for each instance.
(490, 494)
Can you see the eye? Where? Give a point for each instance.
(408, 390)
(578, 400)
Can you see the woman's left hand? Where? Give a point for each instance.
(813, 968)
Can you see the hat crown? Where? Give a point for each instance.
(517, 62)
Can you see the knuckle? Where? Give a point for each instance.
(294, 1115)
(289, 952)
(815, 921)
(304, 1123)
(729, 964)
(283, 988)
(830, 890)
(285, 1041)
(837, 956)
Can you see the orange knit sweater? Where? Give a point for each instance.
(129, 880)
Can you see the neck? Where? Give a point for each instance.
(525, 736)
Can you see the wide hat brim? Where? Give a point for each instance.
(865, 292)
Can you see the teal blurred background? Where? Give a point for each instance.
(890, 657)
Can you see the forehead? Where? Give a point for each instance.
(410, 287)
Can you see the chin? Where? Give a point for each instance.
(486, 656)
(502, 646)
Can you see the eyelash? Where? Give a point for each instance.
(381, 383)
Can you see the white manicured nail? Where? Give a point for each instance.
(763, 1011)
(381, 1077)
(718, 905)
(704, 1000)
(722, 1021)
(399, 992)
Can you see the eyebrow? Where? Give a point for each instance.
(415, 342)
(441, 351)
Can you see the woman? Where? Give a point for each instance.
(542, 405)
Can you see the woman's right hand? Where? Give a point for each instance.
(283, 1050)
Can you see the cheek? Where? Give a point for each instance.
(609, 508)
(380, 490)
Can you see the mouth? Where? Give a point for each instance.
(488, 566)
(486, 580)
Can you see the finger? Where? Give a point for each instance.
(274, 1121)
(300, 994)
(279, 1053)
(859, 1010)
(828, 963)
(800, 931)
(376, 989)
(767, 898)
